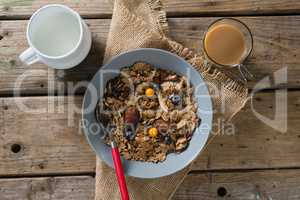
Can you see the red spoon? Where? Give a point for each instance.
(119, 171)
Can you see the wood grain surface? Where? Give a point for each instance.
(41, 135)
(58, 188)
(51, 142)
(102, 8)
(275, 184)
(276, 45)
(48, 134)
(261, 184)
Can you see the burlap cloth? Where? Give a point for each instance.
(143, 23)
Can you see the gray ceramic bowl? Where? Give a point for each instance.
(161, 59)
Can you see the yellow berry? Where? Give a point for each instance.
(153, 132)
(149, 92)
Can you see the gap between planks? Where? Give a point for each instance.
(173, 15)
(268, 90)
(192, 172)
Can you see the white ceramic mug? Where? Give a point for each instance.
(57, 36)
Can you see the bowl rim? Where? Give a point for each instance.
(191, 157)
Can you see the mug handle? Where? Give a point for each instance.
(29, 56)
(245, 73)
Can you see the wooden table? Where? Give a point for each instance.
(44, 155)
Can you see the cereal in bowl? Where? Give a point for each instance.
(148, 112)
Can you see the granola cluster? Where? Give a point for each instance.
(148, 112)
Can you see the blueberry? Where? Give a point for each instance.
(129, 133)
(115, 93)
(175, 99)
(168, 140)
(156, 86)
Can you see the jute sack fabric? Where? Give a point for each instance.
(142, 24)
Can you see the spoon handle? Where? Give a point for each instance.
(119, 171)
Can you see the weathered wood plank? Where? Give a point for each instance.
(273, 49)
(255, 144)
(58, 188)
(277, 184)
(52, 142)
(102, 8)
(271, 184)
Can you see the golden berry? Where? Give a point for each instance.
(149, 92)
(153, 132)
